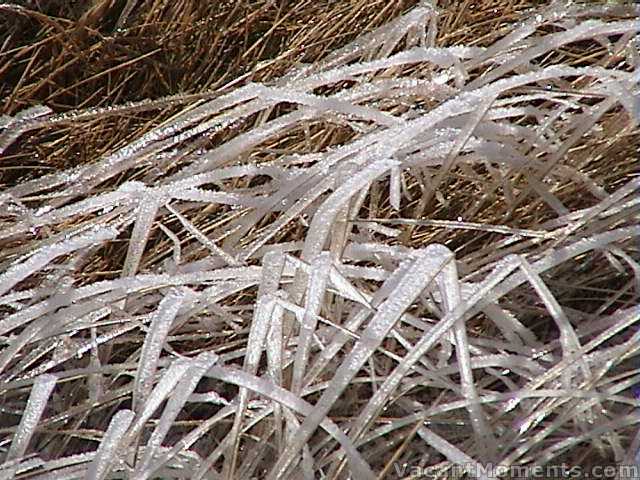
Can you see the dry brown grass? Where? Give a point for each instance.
(111, 77)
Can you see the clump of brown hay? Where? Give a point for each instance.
(317, 239)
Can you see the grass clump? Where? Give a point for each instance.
(383, 242)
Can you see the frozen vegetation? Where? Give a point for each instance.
(401, 255)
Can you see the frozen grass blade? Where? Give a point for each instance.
(46, 255)
(319, 229)
(183, 390)
(108, 449)
(15, 126)
(568, 339)
(148, 206)
(213, 248)
(162, 390)
(449, 284)
(454, 455)
(34, 409)
(294, 403)
(425, 343)
(260, 327)
(160, 325)
(301, 280)
(320, 268)
(418, 276)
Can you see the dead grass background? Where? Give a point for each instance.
(73, 57)
(84, 57)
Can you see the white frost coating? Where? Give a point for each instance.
(275, 189)
(243, 142)
(130, 285)
(199, 195)
(160, 325)
(148, 206)
(316, 288)
(177, 249)
(271, 273)
(109, 448)
(449, 284)
(46, 255)
(417, 277)
(365, 44)
(443, 57)
(82, 348)
(346, 289)
(175, 404)
(563, 254)
(569, 341)
(323, 219)
(513, 330)
(424, 344)
(395, 188)
(288, 216)
(357, 317)
(15, 126)
(91, 204)
(203, 238)
(36, 404)
(580, 32)
(289, 400)
(163, 388)
(114, 163)
(332, 104)
(454, 455)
